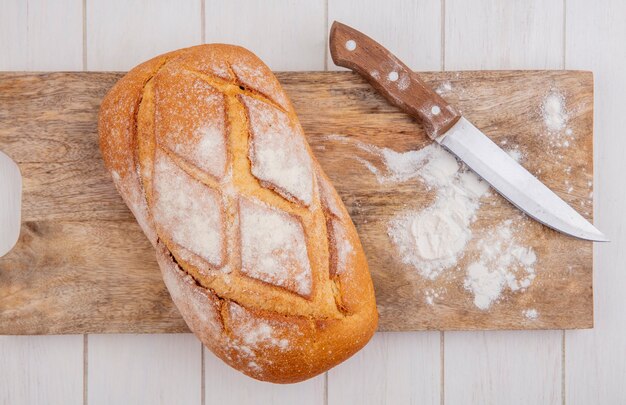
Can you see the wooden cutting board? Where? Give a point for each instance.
(83, 266)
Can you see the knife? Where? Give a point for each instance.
(444, 124)
(10, 203)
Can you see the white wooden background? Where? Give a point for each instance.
(545, 367)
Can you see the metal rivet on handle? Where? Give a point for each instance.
(435, 110)
(350, 45)
(393, 76)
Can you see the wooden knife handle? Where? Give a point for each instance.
(392, 78)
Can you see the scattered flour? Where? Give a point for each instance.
(531, 314)
(434, 239)
(553, 111)
(555, 119)
(433, 294)
(503, 263)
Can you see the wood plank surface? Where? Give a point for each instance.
(503, 367)
(493, 34)
(41, 370)
(285, 34)
(396, 368)
(41, 35)
(413, 21)
(141, 369)
(121, 34)
(90, 254)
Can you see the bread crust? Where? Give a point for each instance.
(193, 129)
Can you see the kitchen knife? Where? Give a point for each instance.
(444, 124)
(10, 203)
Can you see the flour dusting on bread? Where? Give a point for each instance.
(258, 79)
(193, 125)
(343, 249)
(187, 210)
(254, 332)
(329, 201)
(277, 151)
(273, 247)
(207, 151)
(195, 304)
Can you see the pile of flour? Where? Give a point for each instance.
(433, 239)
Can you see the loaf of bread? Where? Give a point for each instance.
(255, 246)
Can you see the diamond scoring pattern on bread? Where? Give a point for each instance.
(168, 91)
(253, 242)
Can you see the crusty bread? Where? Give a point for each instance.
(254, 244)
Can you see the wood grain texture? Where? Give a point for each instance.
(327, 103)
(595, 360)
(503, 367)
(88, 277)
(493, 34)
(122, 34)
(143, 369)
(41, 35)
(411, 30)
(226, 386)
(394, 368)
(41, 370)
(285, 34)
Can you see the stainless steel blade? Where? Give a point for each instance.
(10, 203)
(514, 182)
